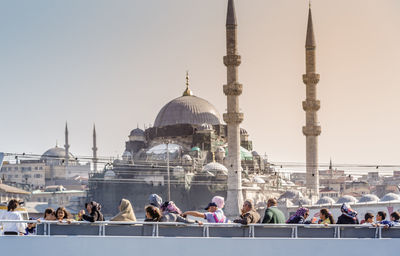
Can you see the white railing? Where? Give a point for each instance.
(152, 229)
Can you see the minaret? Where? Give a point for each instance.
(94, 148)
(66, 146)
(233, 117)
(311, 105)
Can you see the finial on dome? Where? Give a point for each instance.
(187, 91)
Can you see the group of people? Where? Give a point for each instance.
(159, 211)
(348, 216)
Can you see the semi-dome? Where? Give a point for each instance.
(368, 198)
(187, 109)
(390, 197)
(56, 153)
(346, 199)
(326, 200)
(291, 194)
(215, 167)
(109, 175)
(302, 201)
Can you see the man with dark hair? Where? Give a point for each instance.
(272, 214)
(368, 219)
(249, 215)
(395, 217)
(381, 219)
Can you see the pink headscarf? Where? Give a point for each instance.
(219, 201)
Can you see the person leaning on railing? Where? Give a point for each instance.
(300, 217)
(126, 212)
(63, 215)
(272, 214)
(213, 214)
(248, 214)
(11, 214)
(349, 216)
(94, 214)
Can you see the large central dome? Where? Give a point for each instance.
(187, 109)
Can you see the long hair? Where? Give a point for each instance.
(327, 214)
(48, 211)
(154, 213)
(67, 215)
(12, 205)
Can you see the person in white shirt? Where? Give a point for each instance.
(12, 214)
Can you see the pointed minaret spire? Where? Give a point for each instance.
(231, 16)
(94, 148)
(66, 146)
(330, 164)
(310, 39)
(187, 91)
(311, 105)
(233, 89)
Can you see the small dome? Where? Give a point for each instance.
(243, 132)
(368, 198)
(255, 153)
(390, 197)
(346, 199)
(291, 194)
(137, 132)
(302, 201)
(220, 149)
(126, 154)
(108, 175)
(285, 202)
(258, 180)
(205, 127)
(215, 167)
(186, 158)
(326, 200)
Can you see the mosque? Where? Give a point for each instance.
(190, 154)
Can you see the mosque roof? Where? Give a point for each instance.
(137, 132)
(325, 200)
(215, 167)
(390, 197)
(187, 110)
(347, 199)
(368, 198)
(56, 153)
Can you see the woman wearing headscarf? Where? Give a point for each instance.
(126, 212)
(349, 216)
(300, 217)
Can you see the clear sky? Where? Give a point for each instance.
(116, 63)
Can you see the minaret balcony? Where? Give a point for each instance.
(313, 105)
(233, 89)
(311, 78)
(232, 60)
(236, 118)
(312, 130)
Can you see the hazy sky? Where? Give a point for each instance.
(116, 63)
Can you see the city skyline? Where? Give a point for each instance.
(106, 63)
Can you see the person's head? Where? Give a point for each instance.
(12, 205)
(124, 204)
(325, 214)
(347, 211)
(31, 225)
(61, 213)
(155, 200)
(49, 214)
(248, 205)
(272, 202)
(92, 207)
(219, 201)
(395, 216)
(170, 207)
(369, 217)
(152, 213)
(380, 216)
(211, 207)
